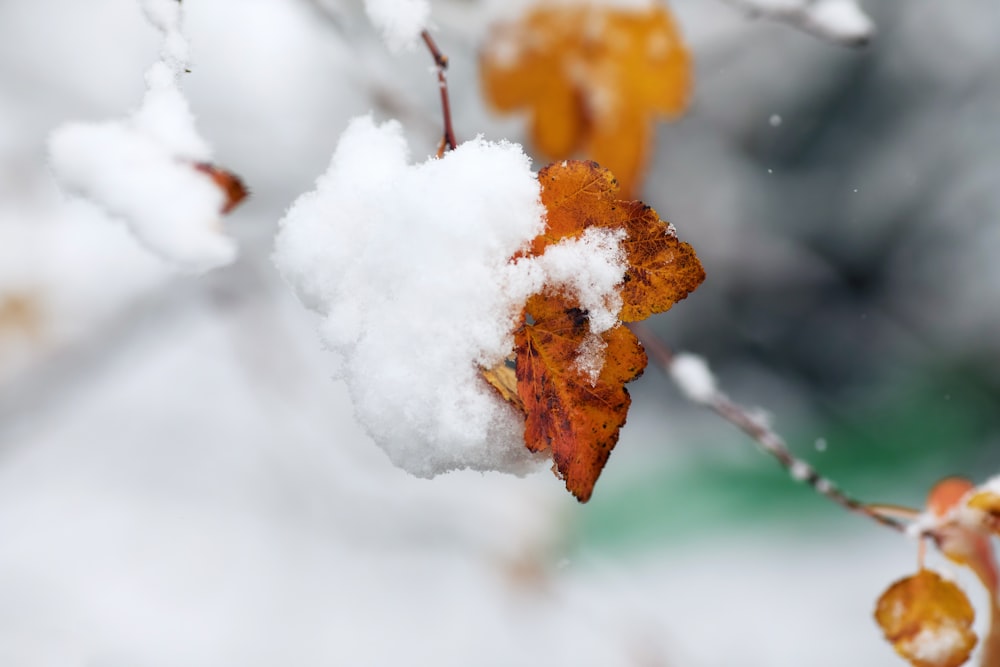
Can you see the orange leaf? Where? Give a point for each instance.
(569, 411)
(593, 79)
(571, 383)
(928, 620)
(661, 269)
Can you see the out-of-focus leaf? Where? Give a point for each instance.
(593, 79)
(928, 620)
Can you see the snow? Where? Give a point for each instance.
(410, 267)
(694, 378)
(801, 471)
(142, 169)
(170, 207)
(399, 21)
(935, 646)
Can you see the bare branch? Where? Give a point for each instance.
(448, 140)
(768, 440)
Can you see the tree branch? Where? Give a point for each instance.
(768, 440)
(839, 21)
(441, 61)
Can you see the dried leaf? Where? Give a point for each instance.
(577, 418)
(928, 620)
(230, 184)
(577, 412)
(593, 78)
(503, 378)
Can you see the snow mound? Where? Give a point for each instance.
(410, 267)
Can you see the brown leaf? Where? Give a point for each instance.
(573, 414)
(230, 184)
(575, 402)
(593, 78)
(928, 620)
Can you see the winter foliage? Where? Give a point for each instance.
(191, 476)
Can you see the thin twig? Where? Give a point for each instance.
(768, 440)
(448, 140)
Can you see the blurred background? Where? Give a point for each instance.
(181, 482)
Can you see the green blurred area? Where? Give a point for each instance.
(945, 422)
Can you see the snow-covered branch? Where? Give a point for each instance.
(840, 21)
(153, 169)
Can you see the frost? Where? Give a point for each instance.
(399, 21)
(694, 378)
(143, 168)
(409, 265)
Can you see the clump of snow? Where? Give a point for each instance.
(143, 168)
(399, 21)
(936, 645)
(801, 471)
(410, 266)
(694, 378)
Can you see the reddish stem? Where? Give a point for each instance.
(441, 61)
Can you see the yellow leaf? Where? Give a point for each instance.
(593, 79)
(928, 620)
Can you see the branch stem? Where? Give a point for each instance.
(769, 441)
(441, 61)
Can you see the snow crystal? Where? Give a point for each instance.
(399, 21)
(143, 168)
(692, 374)
(410, 267)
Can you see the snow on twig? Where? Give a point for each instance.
(839, 21)
(149, 168)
